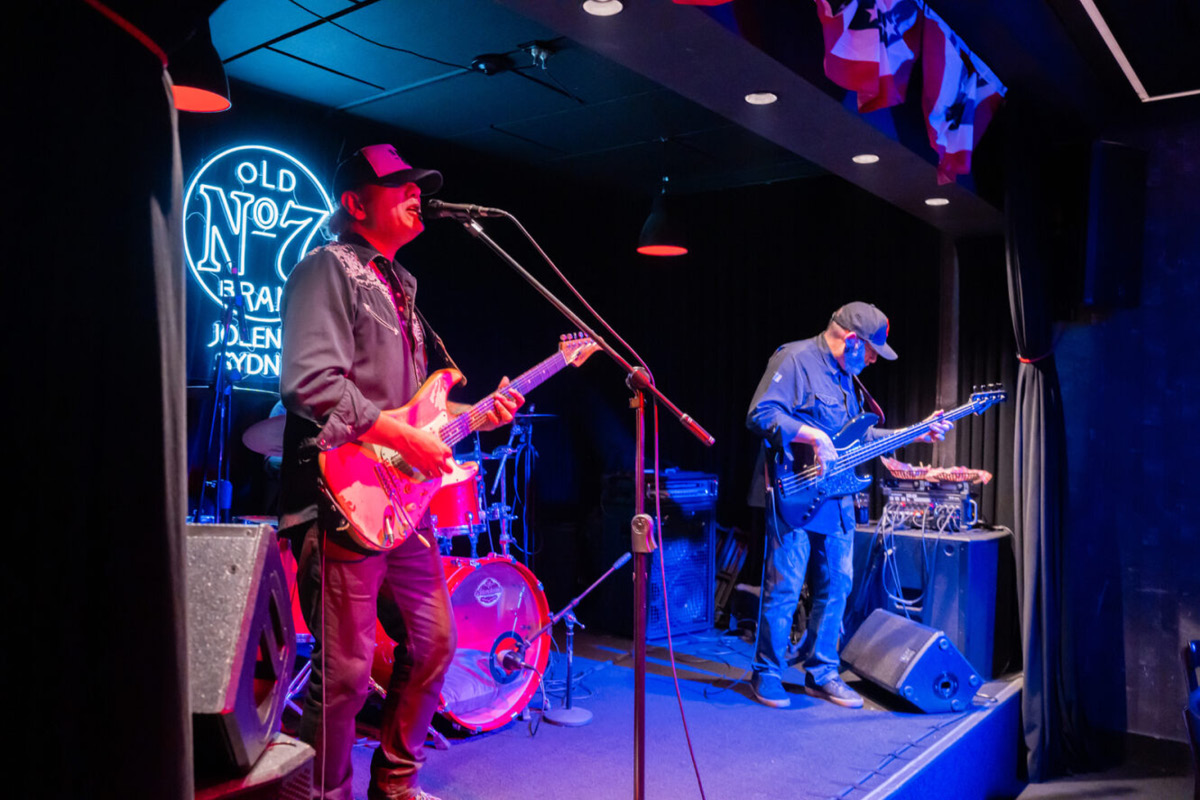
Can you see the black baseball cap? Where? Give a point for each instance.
(381, 164)
(869, 323)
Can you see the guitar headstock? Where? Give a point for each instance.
(984, 397)
(576, 348)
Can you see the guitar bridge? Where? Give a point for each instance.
(390, 484)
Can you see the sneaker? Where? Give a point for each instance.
(768, 690)
(834, 690)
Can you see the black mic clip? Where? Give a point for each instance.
(439, 209)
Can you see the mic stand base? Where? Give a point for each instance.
(568, 717)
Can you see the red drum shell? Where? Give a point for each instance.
(490, 597)
(457, 510)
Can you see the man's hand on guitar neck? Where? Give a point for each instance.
(823, 450)
(420, 449)
(505, 403)
(937, 428)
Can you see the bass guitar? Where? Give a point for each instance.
(383, 497)
(800, 490)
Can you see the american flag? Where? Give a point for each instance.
(870, 47)
(959, 97)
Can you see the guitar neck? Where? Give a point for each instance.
(898, 439)
(475, 417)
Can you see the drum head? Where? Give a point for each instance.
(495, 601)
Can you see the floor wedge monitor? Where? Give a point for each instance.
(915, 662)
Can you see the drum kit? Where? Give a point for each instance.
(500, 608)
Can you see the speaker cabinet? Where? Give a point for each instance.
(688, 537)
(950, 582)
(241, 643)
(915, 662)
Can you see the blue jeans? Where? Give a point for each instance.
(787, 557)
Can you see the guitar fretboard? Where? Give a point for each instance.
(464, 425)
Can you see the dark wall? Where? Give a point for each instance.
(768, 264)
(1130, 384)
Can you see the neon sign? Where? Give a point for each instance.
(250, 213)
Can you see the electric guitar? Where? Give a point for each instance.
(383, 497)
(799, 491)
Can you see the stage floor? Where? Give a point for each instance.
(744, 750)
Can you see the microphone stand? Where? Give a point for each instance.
(640, 381)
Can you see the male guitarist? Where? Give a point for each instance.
(806, 394)
(353, 345)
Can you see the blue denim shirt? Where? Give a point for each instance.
(804, 385)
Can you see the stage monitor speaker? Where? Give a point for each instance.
(688, 537)
(241, 643)
(918, 663)
(954, 576)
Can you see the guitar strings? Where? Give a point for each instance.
(810, 475)
(461, 426)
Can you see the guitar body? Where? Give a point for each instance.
(381, 496)
(384, 498)
(797, 500)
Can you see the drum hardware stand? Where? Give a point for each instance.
(640, 381)
(569, 715)
(501, 511)
(222, 413)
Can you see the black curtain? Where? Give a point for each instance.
(1053, 728)
(98, 271)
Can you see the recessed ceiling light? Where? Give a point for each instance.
(936, 201)
(865, 158)
(603, 8)
(761, 98)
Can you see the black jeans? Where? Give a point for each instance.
(405, 588)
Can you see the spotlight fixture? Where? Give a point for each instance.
(661, 235)
(865, 158)
(761, 98)
(198, 81)
(603, 8)
(492, 63)
(936, 201)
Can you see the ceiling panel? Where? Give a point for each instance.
(276, 71)
(238, 26)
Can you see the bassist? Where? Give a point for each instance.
(806, 394)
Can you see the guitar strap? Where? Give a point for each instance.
(438, 344)
(871, 404)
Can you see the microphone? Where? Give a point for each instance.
(513, 660)
(437, 209)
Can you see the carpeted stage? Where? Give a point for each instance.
(744, 750)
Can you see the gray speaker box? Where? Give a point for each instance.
(918, 663)
(241, 643)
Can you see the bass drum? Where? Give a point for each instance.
(497, 603)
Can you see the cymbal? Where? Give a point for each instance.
(519, 415)
(266, 436)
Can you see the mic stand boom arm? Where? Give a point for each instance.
(638, 377)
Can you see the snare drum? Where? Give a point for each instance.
(496, 601)
(457, 510)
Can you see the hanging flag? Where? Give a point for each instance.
(960, 95)
(870, 46)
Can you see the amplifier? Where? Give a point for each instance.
(934, 505)
(688, 501)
